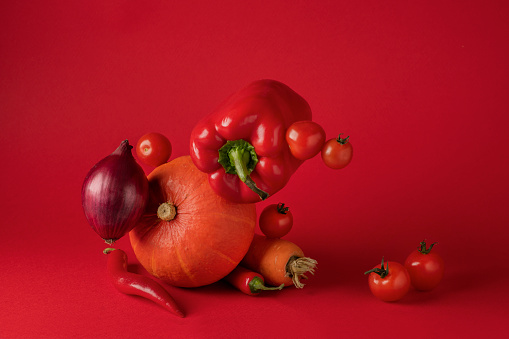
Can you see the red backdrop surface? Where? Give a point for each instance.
(420, 87)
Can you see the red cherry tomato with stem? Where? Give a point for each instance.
(276, 220)
(426, 268)
(305, 139)
(389, 283)
(153, 149)
(337, 153)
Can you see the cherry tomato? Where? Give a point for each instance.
(337, 153)
(426, 269)
(390, 283)
(276, 221)
(305, 138)
(153, 149)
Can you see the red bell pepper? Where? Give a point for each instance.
(242, 144)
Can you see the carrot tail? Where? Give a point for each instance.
(279, 261)
(297, 267)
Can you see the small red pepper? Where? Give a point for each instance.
(249, 282)
(242, 144)
(136, 284)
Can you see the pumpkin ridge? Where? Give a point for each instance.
(146, 224)
(183, 266)
(223, 255)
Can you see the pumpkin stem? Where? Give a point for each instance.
(166, 211)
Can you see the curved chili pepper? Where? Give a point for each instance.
(242, 144)
(136, 284)
(249, 282)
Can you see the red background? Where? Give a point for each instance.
(420, 86)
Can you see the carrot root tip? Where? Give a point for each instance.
(298, 267)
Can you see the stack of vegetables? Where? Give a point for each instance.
(191, 221)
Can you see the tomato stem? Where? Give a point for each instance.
(381, 271)
(281, 208)
(342, 141)
(423, 248)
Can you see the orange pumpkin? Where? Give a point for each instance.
(189, 236)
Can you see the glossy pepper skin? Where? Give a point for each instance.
(258, 114)
(137, 284)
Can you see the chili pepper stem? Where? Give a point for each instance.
(256, 285)
(166, 211)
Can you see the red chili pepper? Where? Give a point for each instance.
(249, 282)
(136, 284)
(242, 144)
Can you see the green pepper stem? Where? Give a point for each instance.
(252, 185)
(240, 159)
(256, 285)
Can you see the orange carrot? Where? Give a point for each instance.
(279, 261)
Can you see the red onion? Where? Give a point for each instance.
(114, 194)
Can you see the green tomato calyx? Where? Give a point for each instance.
(342, 141)
(423, 248)
(381, 271)
(281, 208)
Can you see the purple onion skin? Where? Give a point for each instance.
(114, 194)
